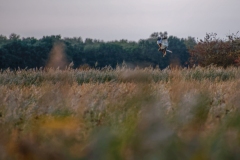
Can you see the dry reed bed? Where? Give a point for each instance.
(120, 114)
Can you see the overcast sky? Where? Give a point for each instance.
(118, 19)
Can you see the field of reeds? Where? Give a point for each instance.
(120, 114)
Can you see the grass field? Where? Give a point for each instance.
(120, 114)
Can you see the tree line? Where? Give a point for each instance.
(55, 51)
(17, 52)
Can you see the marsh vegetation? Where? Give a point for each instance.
(120, 113)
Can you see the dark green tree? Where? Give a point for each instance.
(180, 54)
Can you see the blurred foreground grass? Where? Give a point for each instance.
(120, 114)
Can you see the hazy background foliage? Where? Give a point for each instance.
(16, 52)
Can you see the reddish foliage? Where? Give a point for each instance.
(214, 51)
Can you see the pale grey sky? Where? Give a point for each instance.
(118, 19)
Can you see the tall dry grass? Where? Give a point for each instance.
(120, 113)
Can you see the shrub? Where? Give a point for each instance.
(214, 51)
